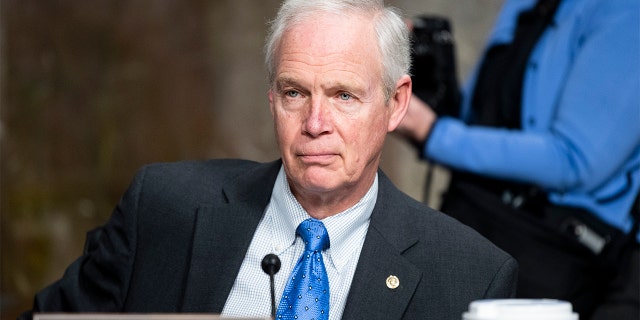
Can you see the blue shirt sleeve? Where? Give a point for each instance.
(580, 137)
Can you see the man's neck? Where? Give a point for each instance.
(322, 205)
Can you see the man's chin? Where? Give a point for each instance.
(317, 179)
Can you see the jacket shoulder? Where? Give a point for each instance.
(195, 181)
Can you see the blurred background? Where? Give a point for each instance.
(92, 90)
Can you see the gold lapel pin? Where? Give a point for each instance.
(393, 282)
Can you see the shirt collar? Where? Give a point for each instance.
(287, 213)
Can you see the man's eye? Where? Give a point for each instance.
(292, 94)
(344, 96)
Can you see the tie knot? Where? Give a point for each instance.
(314, 234)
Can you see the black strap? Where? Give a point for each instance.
(635, 216)
(498, 91)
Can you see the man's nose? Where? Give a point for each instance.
(318, 120)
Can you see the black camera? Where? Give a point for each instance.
(434, 66)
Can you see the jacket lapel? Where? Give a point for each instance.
(222, 234)
(381, 258)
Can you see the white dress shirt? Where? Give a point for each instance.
(276, 233)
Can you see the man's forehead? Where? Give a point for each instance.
(326, 31)
(324, 40)
(336, 70)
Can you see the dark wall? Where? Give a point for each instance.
(92, 90)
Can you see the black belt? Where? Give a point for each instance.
(513, 194)
(588, 229)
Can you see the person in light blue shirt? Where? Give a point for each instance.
(560, 138)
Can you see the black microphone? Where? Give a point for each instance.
(271, 266)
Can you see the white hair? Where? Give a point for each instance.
(391, 32)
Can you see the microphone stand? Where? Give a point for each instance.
(271, 266)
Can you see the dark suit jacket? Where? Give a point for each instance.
(176, 241)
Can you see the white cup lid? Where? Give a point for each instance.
(520, 309)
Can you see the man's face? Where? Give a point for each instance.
(328, 105)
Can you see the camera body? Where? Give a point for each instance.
(433, 64)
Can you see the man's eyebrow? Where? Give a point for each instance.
(346, 85)
(286, 81)
(342, 84)
(336, 85)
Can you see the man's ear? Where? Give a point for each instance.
(399, 102)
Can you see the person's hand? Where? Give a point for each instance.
(418, 121)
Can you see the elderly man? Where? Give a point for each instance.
(190, 236)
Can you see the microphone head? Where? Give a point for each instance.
(271, 264)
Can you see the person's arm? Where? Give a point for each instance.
(417, 123)
(98, 280)
(594, 126)
(505, 281)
